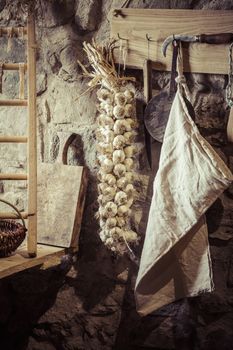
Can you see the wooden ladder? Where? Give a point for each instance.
(30, 139)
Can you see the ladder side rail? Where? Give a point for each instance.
(32, 138)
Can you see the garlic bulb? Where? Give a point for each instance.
(122, 210)
(129, 176)
(130, 124)
(101, 187)
(115, 232)
(111, 222)
(122, 182)
(104, 95)
(103, 235)
(129, 94)
(106, 166)
(108, 135)
(120, 99)
(110, 179)
(108, 110)
(103, 223)
(102, 199)
(119, 112)
(130, 190)
(105, 121)
(104, 148)
(129, 163)
(110, 210)
(130, 151)
(120, 198)
(119, 126)
(100, 175)
(129, 110)
(99, 136)
(119, 142)
(119, 170)
(118, 156)
(109, 241)
(129, 137)
(109, 192)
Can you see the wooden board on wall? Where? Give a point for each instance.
(61, 198)
(134, 24)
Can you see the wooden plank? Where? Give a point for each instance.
(16, 102)
(32, 140)
(14, 176)
(5, 215)
(134, 24)
(13, 139)
(20, 260)
(61, 197)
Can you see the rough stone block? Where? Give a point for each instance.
(87, 15)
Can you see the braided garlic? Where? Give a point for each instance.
(115, 153)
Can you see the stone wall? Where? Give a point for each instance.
(89, 303)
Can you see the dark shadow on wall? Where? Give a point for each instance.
(24, 298)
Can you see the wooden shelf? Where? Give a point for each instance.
(134, 24)
(19, 261)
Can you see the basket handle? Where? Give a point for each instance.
(17, 211)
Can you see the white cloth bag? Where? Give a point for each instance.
(175, 261)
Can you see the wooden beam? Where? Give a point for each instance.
(32, 140)
(15, 102)
(13, 176)
(13, 139)
(158, 24)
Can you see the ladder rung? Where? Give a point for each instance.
(12, 66)
(4, 215)
(14, 139)
(16, 30)
(13, 176)
(15, 102)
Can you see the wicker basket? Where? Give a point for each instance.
(12, 233)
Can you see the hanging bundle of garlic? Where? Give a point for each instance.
(115, 136)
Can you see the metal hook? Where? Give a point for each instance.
(121, 38)
(148, 38)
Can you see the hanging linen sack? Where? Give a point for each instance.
(175, 261)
